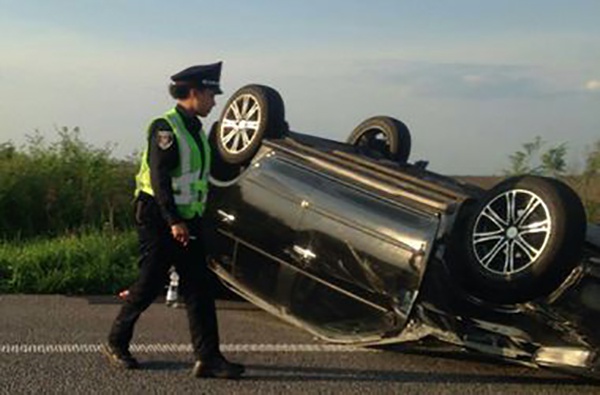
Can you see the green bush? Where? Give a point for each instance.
(50, 189)
(96, 262)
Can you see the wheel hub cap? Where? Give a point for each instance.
(511, 232)
(240, 124)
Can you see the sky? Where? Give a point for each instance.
(473, 80)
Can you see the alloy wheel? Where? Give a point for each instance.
(374, 138)
(511, 232)
(240, 124)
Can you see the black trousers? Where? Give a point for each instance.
(158, 251)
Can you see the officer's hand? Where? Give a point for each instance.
(180, 233)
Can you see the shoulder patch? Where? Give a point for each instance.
(164, 138)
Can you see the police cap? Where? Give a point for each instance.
(201, 76)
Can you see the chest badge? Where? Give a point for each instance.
(164, 139)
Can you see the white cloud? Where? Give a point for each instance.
(592, 85)
(462, 80)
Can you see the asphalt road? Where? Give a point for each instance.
(48, 344)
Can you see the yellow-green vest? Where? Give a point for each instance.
(190, 188)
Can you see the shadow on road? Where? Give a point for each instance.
(166, 365)
(270, 373)
(296, 373)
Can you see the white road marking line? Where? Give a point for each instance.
(176, 348)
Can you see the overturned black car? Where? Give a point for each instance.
(355, 244)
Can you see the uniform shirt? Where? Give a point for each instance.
(163, 160)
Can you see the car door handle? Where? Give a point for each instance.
(227, 218)
(304, 253)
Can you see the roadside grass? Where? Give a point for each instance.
(94, 262)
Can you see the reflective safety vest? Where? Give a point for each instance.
(190, 188)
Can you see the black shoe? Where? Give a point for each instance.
(218, 367)
(119, 358)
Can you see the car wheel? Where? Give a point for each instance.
(251, 114)
(220, 169)
(386, 136)
(522, 240)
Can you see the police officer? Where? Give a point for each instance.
(170, 197)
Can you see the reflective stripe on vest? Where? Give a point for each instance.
(190, 188)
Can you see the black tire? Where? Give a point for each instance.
(219, 169)
(515, 258)
(251, 114)
(383, 136)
